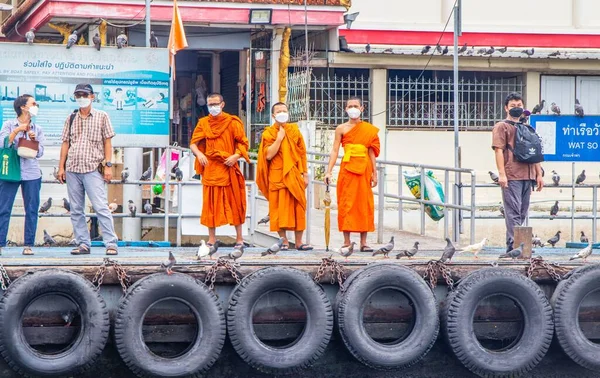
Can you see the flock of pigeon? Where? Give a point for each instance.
(464, 50)
(122, 40)
(555, 109)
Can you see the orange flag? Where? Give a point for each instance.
(177, 39)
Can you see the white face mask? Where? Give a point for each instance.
(353, 113)
(33, 111)
(282, 117)
(214, 110)
(83, 102)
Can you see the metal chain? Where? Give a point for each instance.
(432, 271)
(122, 275)
(538, 262)
(211, 275)
(4, 278)
(337, 272)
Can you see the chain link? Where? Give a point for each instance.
(4, 278)
(337, 270)
(538, 262)
(432, 271)
(122, 275)
(211, 275)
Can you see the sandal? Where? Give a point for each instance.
(285, 247)
(81, 250)
(27, 251)
(366, 248)
(112, 251)
(305, 247)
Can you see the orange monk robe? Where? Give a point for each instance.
(280, 179)
(224, 188)
(356, 208)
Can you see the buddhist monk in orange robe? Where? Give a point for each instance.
(358, 174)
(283, 176)
(218, 142)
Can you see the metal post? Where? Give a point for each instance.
(572, 202)
(249, 93)
(306, 57)
(253, 199)
(381, 203)
(473, 209)
(400, 202)
(446, 189)
(179, 213)
(167, 190)
(457, 33)
(594, 212)
(148, 23)
(310, 202)
(422, 198)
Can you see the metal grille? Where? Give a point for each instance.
(297, 100)
(429, 102)
(328, 97)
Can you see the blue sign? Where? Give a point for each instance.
(568, 138)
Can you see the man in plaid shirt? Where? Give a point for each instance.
(87, 147)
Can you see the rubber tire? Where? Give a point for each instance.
(86, 348)
(200, 356)
(309, 347)
(538, 326)
(350, 317)
(566, 301)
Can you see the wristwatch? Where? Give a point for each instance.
(108, 164)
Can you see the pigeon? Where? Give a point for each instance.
(538, 108)
(153, 40)
(581, 178)
(146, 175)
(212, 249)
(470, 51)
(554, 210)
(448, 252)
(48, 240)
(556, 53)
(438, 48)
(125, 174)
(481, 51)
(97, 42)
(501, 208)
(529, 52)
(72, 39)
(583, 254)
(554, 108)
(30, 36)
(121, 40)
(68, 317)
(113, 206)
(494, 177)
(169, 264)
(475, 248)
(347, 251)
(553, 240)
(537, 242)
(274, 248)
(236, 253)
(490, 51)
(203, 250)
(445, 50)
(368, 48)
(132, 208)
(148, 207)
(462, 49)
(388, 51)
(555, 178)
(55, 173)
(578, 109)
(46, 206)
(502, 50)
(66, 205)
(265, 219)
(514, 254)
(425, 49)
(386, 249)
(583, 238)
(178, 174)
(409, 253)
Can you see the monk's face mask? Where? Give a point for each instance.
(214, 109)
(353, 113)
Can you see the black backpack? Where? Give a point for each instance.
(528, 144)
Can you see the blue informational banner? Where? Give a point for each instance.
(131, 85)
(568, 138)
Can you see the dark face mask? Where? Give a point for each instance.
(515, 112)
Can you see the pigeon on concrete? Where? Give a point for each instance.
(502, 50)
(347, 251)
(30, 36)
(538, 108)
(583, 238)
(481, 51)
(169, 264)
(554, 210)
(438, 48)
(470, 51)
(553, 240)
(55, 173)
(555, 178)
(583, 254)
(272, 250)
(514, 254)
(146, 175)
(125, 174)
(46, 206)
(494, 177)
(178, 174)
(386, 249)
(153, 40)
(555, 108)
(425, 49)
(581, 178)
(490, 51)
(66, 205)
(203, 250)
(97, 42)
(409, 253)
(474, 248)
(72, 39)
(113, 206)
(122, 40)
(368, 48)
(236, 253)
(148, 207)
(265, 219)
(445, 50)
(132, 208)
(529, 52)
(48, 240)
(501, 208)
(212, 249)
(449, 251)
(556, 53)
(537, 242)
(578, 109)
(462, 49)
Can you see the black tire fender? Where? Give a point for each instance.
(308, 348)
(200, 355)
(87, 346)
(350, 317)
(538, 327)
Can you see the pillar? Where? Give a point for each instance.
(379, 106)
(532, 89)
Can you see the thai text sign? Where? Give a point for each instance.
(568, 138)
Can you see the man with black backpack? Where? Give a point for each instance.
(518, 152)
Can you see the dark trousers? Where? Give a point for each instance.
(516, 206)
(30, 190)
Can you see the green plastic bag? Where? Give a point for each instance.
(432, 191)
(10, 163)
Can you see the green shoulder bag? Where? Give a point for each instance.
(10, 163)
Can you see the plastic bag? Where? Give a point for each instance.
(433, 192)
(161, 170)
